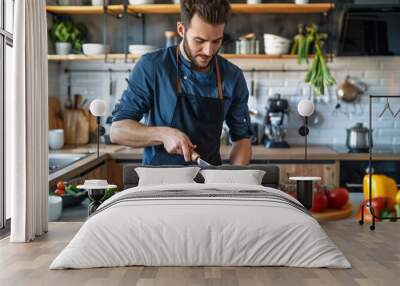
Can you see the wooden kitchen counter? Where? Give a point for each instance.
(295, 152)
(259, 153)
(324, 161)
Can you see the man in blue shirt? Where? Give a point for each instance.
(187, 92)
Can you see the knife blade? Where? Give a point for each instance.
(197, 159)
(202, 163)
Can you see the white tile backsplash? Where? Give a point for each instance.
(381, 74)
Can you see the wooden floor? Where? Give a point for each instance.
(375, 257)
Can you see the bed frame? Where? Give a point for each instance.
(270, 179)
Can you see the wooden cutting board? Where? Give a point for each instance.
(55, 119)
(333, 214)
(76, 126)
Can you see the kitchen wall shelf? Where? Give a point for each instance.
(82, 57)
(280, 8)
(84, 10)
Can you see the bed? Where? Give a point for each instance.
(197, 224)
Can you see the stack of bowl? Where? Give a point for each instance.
(141, 2)
(276, 45)
(141, 49)
(95, 49)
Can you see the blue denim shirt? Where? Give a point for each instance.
(152, 86)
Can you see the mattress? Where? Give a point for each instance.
(201, 225)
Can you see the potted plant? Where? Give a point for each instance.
(67, 36)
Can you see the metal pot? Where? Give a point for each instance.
(349, 90)
(358, 138)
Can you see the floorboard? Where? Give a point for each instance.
(374, 255)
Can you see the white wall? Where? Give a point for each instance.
(382, 74)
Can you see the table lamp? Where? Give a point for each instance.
(98, 109)
(305, 108)
(304, 188)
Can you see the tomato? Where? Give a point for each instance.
(337, 197)
(60, 185)
(59, 192)
(320, 202)
(380, 206)
(367, 215)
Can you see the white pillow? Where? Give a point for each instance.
(248, 177)
(164, 176)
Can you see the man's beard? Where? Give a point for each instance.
(193, 58)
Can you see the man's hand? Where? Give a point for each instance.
(177, 142)
(241, 152)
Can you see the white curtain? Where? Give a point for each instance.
(26, 123)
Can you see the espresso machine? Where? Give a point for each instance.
(276, 121)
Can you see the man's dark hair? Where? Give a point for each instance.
(214, 12)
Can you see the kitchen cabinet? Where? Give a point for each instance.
(115, 173)
(93, 170)
(99, 172)
(329, 172)
(352, 172)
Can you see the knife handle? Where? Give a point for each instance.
(195, 156)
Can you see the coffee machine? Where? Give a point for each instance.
(276, 121)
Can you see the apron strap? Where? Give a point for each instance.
(178, 76)
(217, 69)
(219, 81)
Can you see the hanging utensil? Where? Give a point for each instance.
(82, 104)
(386, 107)
(111, 82)
(252, 84)
(397, 113)
(349, 90)
(77, 100)
(68, 103)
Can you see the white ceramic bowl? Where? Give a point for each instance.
(56, 138)
(276, 45)
(94, 49)
(97, 2)
(275, 51)
(140, 2)
(55, 208)
(301, 1)
(141, 49)
(274, 39)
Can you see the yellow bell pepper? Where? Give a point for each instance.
(398, 197)
(382, 186)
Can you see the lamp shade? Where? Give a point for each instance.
(98, 107)
(305, 107)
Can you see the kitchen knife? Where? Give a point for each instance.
(196, 158)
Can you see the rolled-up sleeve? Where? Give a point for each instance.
(238, 118)
(137, 98)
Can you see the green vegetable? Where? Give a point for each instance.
(397, 208)
(72, 190)
(318, 76)
(386, 214)
(109, 194)
(66, 31)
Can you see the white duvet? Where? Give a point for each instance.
(202, 231)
